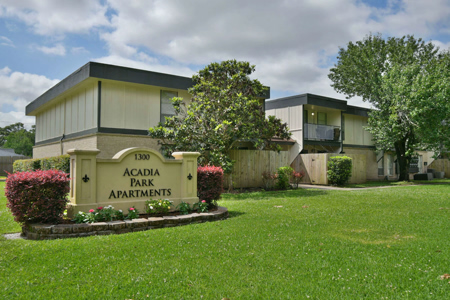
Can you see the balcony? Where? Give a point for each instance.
(315, 132)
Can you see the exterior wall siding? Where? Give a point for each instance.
(73, 113)
(132, 106)
(54, 149)
(110, 144)
(354, 131)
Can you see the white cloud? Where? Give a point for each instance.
(149, 64)
(78, 50)
(292, 43)
(58, 49)
(17, 90)
(49, 17)
(4, 41)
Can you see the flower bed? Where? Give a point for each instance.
(61, 231)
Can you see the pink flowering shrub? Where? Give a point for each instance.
(209, 183)
(37, 197)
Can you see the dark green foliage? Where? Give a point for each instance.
(339, 169)
(225, 108)
(407, 81)
(61, 163)
(284, 174)
(16, 137)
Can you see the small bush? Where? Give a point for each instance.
(297, 177)
(209, 183)
(158, 206)
(37, 197)
(339, 169)
(269, 179)
(284, 174)
(61, 163)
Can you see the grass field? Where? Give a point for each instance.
(299, 244)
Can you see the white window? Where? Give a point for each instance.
(167, 109)
(390, 161)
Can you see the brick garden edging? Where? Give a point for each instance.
(63, 231)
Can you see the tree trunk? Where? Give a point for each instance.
(403, 161)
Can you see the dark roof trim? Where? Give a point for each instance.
(306, 99)
(111, 72)
(68, 136)
(359, 146)
(322, 143)
(358, 111)
(312, 99)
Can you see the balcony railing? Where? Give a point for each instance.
(317, 132)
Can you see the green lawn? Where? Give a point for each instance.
(396, 183)
(299, 244)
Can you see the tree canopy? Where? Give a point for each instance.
(226, 108)
(407, 81)
(16, 137)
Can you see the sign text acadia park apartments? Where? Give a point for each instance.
(130, 178)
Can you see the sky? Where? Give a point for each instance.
(292, 43)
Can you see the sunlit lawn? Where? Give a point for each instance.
(376, 244)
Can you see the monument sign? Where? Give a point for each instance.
(131, 177)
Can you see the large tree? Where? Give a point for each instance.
(226, 108)
(22, 141)
(5, 131)
(407, 81)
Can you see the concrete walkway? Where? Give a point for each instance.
(326, 187)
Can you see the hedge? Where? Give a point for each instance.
(61, 163)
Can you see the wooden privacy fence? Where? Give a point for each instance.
(6, 163)
(314, 166)
(250, 164)
(441, 165)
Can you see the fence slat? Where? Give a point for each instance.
(250, 164)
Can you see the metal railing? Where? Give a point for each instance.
(317, 132)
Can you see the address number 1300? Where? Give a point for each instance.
(140, 156)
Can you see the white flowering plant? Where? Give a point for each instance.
(107, 213)
(160, 206)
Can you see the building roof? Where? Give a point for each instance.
(318, 100)
(8, 152)
(110, 72)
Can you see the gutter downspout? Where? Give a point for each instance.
(61, 144)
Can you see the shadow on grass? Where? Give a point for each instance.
(262, 195)
(234, 214)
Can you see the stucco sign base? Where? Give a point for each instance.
(130, 178)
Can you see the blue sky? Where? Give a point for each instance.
(292, 43)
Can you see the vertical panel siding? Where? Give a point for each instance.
(74, 113)
(131, 106)
(355, 133)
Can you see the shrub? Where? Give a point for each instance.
(61, 163)
(201, 206)
(184, 208)
(158, 206)
(284, 174)
(297, 177)
(209, 183)
(26, 165)
(339, 169)
(269, 179)
(37, 197)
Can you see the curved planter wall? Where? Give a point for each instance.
(62, 231)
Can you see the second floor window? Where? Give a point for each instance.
(321, 118)
(167, 109)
